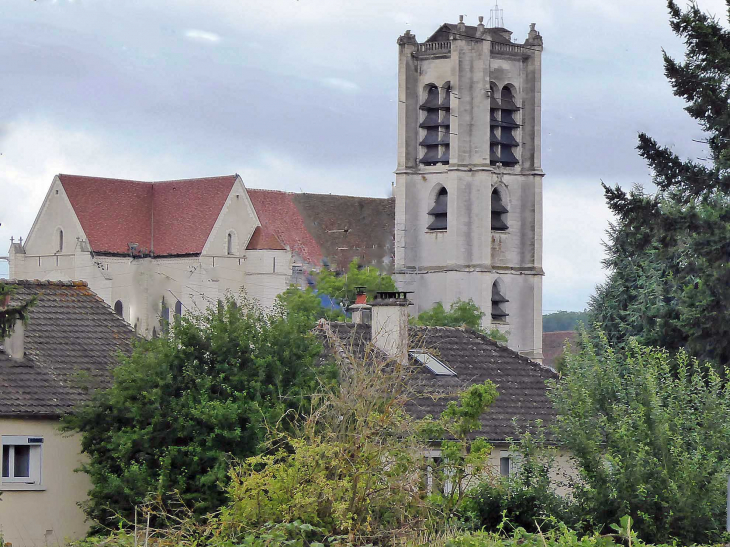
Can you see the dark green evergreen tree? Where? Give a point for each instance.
(668, 252)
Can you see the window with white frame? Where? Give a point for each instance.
(21, 459)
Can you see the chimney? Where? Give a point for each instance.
(390, 323)
(15, 343)
(361, 310)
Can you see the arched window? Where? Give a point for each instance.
(178, 308)
(60, 240)
(502, 125)
(436, 120)
(499, 212)
(438, 212)
(119, 308)
(499, 301)
(229, 244)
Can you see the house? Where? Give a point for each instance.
(154, 249)
(444, 361)
(70, 344)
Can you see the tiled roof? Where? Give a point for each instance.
(71, 342)
(167, 217)
(329, 228)
(475, 358)
(552, 345)
(279, 216)
(263, 239)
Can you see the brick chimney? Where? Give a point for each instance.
(390, 323)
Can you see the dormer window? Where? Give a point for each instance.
(499, 212)
(499, 301)
(438, 212)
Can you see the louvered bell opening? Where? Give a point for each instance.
(438, 223)
(508, 104)
(432, 137)
(446, 118)
(507, 156)
(497, 205)
(498, 225)
(494, 116)
(493, 154)
(494, 102)
(507, 137)
(446, 103)
(432, 100)
(445, 138)
(431, 156)
(445, 155)
(508, 120)
(431, 119)
(498, 314)
(497, 296)
(439, 208)
(493, 138)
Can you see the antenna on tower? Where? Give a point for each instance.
(496, 16)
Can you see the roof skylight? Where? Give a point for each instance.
(431, 363)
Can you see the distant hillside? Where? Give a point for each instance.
(563, 320)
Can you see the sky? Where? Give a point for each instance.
(300, 95)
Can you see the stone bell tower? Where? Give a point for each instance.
(468, 145)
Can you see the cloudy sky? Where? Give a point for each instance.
(300, 95)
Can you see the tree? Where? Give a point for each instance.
(181, 406)
(461, 313)
(563, 320)
(649, 433)
(10, 315)
(342, 287)
(306, 304)
(668, 252)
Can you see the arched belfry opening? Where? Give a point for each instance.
(435, 125)
(499, 212)
(499, 303)
(502, 126)
(438, 213)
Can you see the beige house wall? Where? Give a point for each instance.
(48, 515)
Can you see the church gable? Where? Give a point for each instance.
(56, 227)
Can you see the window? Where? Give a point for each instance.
(498, 303)
(21, 459)
(502, 125)
(60, 240)
(438, 212)
(119, 308)
(431, 363)
(505, 464)
(165, 315)
(436, 124)
(499, 212)
(178, 309)
(229, 245)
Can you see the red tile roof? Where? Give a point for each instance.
(167, 217)
(553, 343)
(263, 239)
(279, 215)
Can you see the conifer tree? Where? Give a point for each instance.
(668, 252)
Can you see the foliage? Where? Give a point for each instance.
(563, 320)
(527, 498)
(10, 315)
(306, 304)
(668, 252)
(342, 287)
(357, 464)
(649, 433)
(461, 313)
(182, 405)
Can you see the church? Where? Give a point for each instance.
(468, 142)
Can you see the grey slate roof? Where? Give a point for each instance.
(71, 343)
(475, 358)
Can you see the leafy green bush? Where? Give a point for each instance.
(342, 287)
(461, 313)
(183, 405)
(650, 434)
